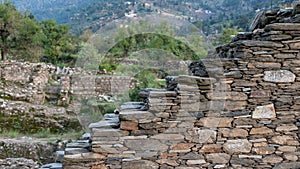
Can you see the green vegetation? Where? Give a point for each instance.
(22, 37)
(225, 36)
(146, 79)
(131, 40)
(11, 134)
(11, 24)
(43, 134)
(93, 109)
(60, 46)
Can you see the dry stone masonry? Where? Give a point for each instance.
(34, 96)
(240, 108)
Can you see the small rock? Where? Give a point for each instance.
(53, 166)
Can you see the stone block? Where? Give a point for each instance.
(83, 157)
(291, 157)
(282, 140)
(272, 159)
(214, 122)
(261, 112)
(206, 136)
(286, 128)
(211, 148)
(267, 44)
(260, 93)
(170, 137)
(287, 165)
(139, 164)
(237, 146)
(283, 27)
(279, 76)
(195, 162)
(181, 148)
(261, 130)
(264, 150)
(238, 96)
(145, 145)
(129, 125)
(234, 133)
(168, 162)
(109, 132)
(132, 115)
(218, 158)
(190, 80)
(287, 149)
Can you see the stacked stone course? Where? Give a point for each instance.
(238, 109)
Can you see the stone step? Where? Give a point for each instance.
(82, 158)
(132, 105)
(83, 141)
(108, 132)
(78, 145)
(104, 124)
(111, 118)
(52, 166)
(200, 81)
(72, 151)
(135, 115)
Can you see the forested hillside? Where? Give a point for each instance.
(210, 15)
(59, 10)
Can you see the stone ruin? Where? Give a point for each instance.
(240, 108)
(37, 97)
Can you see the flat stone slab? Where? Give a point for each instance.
(78, 145)
(132, 105)
(184, 79)
(280, 76)
(53, 166)
(237, 146)
(261, 112)
(161, 94)
(135, 115)
(267, 44)
(83, 157)
(70, 151)
(111, 117)
(139, 164)
(109, 132)
(104, 124)
(288, 165)
(145, 145)
(283, 27)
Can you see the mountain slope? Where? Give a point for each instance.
(60, 10)
(211, 15)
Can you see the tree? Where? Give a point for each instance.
(59, 44)
(10, 21)
(29, 44)
(225, 36)
(20, 35)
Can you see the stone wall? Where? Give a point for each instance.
(87, 86)
(37, 96)
(242, 112)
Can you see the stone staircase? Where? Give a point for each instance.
(136, 133)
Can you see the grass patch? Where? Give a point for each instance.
(44, 135)
(11, 134)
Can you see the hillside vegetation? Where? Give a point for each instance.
(210, 15)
